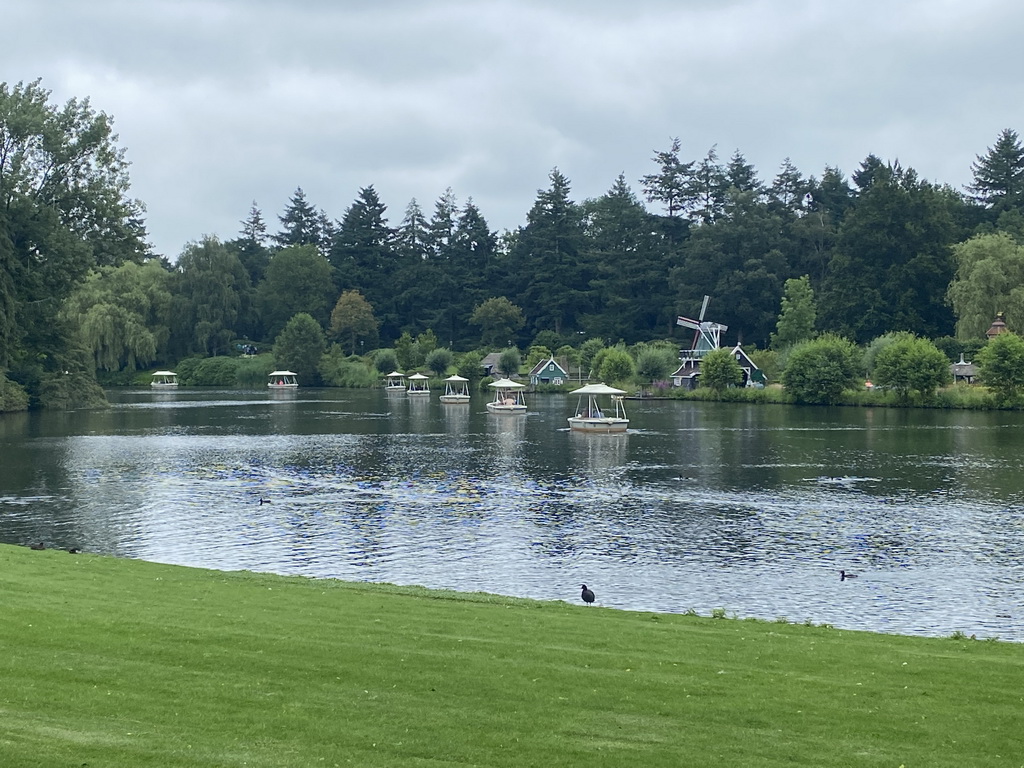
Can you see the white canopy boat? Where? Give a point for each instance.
(394, 382)
(418, 385)
(164, 380)
(283, 380)
(456, 390)
(589, 415)
(508, 397)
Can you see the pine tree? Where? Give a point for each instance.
(672, 186)
(999, 174)
(300, 222)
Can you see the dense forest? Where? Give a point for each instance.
(882, 251)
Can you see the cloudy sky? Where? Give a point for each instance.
(222, 102)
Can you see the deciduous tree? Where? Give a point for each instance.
(299, 348)
(498, 319)
(989, 279)
(1001, 365)
(798, 316)
(719, 370)
(352, 320)
(911, 364)
(64, 210)
(818, 371)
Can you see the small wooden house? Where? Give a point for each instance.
(549, 372)
(490, 363)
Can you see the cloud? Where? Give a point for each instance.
(222, 102)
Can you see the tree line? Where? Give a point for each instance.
(883, 251)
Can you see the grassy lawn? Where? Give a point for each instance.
(109, 662)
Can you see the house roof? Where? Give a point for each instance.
(542, 365)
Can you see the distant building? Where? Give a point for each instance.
(964, 371)
(998, 326)
(490, 363)
(549, 372)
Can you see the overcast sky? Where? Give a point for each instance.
(222, 102)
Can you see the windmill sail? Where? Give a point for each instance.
(707, 335)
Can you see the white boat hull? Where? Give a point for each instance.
(283, 386)
(610, 424)
(503, 408)
(454, 399)
(163, 385)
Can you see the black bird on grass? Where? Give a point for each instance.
(37, 547)
(587, 595)
(843, 575)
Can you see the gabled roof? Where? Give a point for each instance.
(541, 366)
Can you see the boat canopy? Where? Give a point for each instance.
(598, 389)
(507, 384)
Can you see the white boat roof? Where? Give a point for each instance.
(598, 389)
(282, 373)
(507, 384)
(165, 373)
(456, 378)
(418, 376)
(396, 373)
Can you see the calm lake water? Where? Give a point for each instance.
(751, 509)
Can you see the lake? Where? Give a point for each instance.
(700, 506)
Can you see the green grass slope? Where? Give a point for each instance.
(109, 662)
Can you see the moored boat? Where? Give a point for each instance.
(508, 397)
(283, 380)
(394, 382)
(164, 380)
(456, 390)
(418, 385)
(589, 416)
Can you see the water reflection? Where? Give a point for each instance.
(698, 506)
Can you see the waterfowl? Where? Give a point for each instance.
(587, 595)
(74, 550)
(264, 501)
(843, 575)
(38, 546)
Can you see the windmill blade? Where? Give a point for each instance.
(687, 323)
(704, 307)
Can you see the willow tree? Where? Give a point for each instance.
(123, 314)
(989, 279)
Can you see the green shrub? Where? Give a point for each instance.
(13, 396)
(819, 371)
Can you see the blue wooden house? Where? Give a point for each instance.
(549, 372)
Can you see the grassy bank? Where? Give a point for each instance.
(111, 662)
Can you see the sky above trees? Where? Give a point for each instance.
(224, 102)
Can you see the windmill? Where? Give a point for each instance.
(707, 335)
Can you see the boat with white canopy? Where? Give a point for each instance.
(456, 390)
(164, 380)
(283, 380)
(508, 397)
(418, 385)
(394, 382)
(590, 417)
